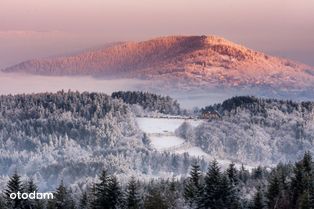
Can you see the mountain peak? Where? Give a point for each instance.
(196, 60)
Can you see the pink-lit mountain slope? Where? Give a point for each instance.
(188, 60)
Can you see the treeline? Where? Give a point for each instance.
(82, 132)
(251, 130)
(149, 101)
(285, 186)
(259, 105)
(84, 117)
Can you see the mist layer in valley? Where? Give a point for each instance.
(18, 83)
(23, 83)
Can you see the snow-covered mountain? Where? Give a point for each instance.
(185, 61)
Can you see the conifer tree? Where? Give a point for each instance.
(273, 192)
(307, 162)
(232, 173)
(304, 201)
(2, 203)
(229, 197)
(102, 191)
(114, 193)
(62, 198)
(132, 195)
(311, 194)
(243, 174)
(84, 201)
(212, 197)
(193, 188)
(14, 186)
(258, 200)
(31, 187)
(154, 199)
(171, 193)
(297, 183)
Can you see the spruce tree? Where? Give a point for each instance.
(31, 187)
(114, 193)
(273, 192)
(2, 203)
(307, 162)
(229, 196)
(84, 201)
(311, 194)
(62, 198)
(193, 189)
(212, 197)
(297, 183)
(258, 200)
(232, 173)
(14, 186)
(132, 195)
(304, 201)
(244, 174)
(108, 194)
(171, 193)
(154, 199)
(101, 192)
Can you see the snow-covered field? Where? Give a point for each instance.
(162, 136)
(164, 142)
(161, 132)
(194, 151)
(163, 125)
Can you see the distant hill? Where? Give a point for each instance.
(149, 102)
(255, 130)
(258, 105)
(185, 61)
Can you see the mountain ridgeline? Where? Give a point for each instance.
(180, 61)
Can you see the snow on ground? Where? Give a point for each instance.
(161, 133)
(162, 136)
(163, 125)
(163, 142)
(194, 151)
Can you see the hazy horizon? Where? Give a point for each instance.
(37, 28)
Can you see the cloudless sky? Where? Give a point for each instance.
(39, 28)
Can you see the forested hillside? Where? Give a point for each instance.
(253, 130)
(73, 136)
(88, 118)
(149, 102)
(286, 186)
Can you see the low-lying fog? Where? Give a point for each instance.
(13, 83)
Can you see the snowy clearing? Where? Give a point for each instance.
(162, 136)
(163, 142)
(163, 125)
(194, 151)
(161, 133)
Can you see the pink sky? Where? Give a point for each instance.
(36, 28)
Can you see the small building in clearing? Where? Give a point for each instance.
(211, 115)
